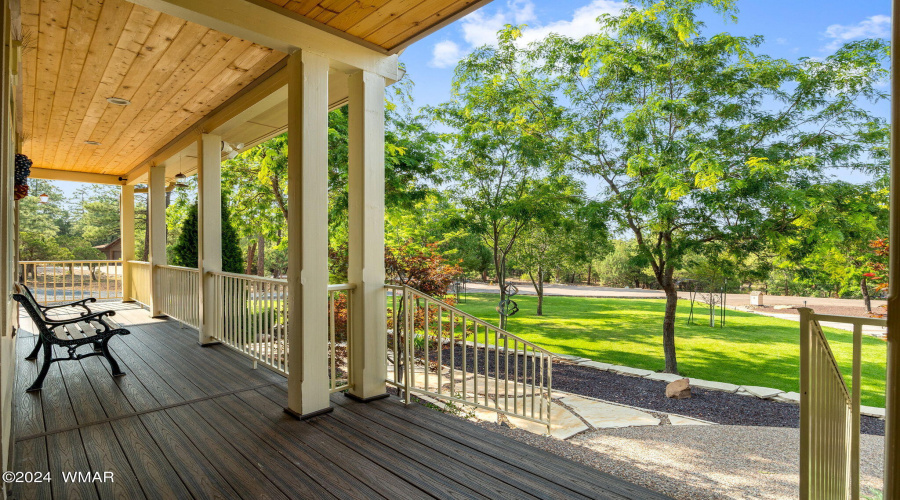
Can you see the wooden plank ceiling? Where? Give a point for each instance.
(390, 24)
(81, 52)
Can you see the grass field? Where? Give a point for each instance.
(750, 350)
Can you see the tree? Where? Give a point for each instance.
(700, 140)
(500, 149)
(185, 250)
(97, 209)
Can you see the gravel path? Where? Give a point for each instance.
(700, 462)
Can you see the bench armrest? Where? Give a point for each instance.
(78, 303)
(87, 317)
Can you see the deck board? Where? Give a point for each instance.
(190, 421)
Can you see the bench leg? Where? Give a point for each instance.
(39, 381)
(104, 347)
(37, 347)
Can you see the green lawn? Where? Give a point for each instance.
(750, 350)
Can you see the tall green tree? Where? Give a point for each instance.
(501, 153)
(701, 140)
(185, 250)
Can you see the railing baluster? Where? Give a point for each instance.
(440, 350)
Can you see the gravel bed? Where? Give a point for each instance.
(699, 462)
(714, 406)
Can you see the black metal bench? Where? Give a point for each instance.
(86, 328)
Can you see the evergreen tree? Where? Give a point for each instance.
(185, 250)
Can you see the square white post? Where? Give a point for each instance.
(892, 401)
(368, 329)
(156, 224)
(308, 387)
(126, 235)
(209, 226)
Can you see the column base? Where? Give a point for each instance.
(307, 416)
(369, 399)
(209, 344)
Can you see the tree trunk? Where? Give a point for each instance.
(484, 275)
(669, 327)
(589, 275)
(540, 291)
(261, 256)
(251, 252)
(865, 293)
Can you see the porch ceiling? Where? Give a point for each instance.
(78, 54)
(389, 24)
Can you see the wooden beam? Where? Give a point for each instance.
(278, 29)
(126, 204)
(307, 275)
(368, 370)
(71, 175)
(209, 239)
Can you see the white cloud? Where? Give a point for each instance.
(781, 41)
(479, 28)
(874, 26)
(445, 54)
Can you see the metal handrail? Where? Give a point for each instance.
(405, 358)
(829, 411)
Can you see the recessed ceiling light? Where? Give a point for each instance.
(92, 143)
(118, 101)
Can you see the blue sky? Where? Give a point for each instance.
(792, 28)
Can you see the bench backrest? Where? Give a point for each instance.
(33, 309)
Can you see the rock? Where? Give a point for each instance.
(679, 389)
(761, 392)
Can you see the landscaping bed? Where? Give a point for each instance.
(714, 406)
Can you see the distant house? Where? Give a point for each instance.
(112, 250)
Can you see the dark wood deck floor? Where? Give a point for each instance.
(193, 422)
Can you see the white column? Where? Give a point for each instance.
(368, 344)
(126, 235)
(209, 239)
(156, 208)
(308, 393)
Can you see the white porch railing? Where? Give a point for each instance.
(180, 294)
(65, 281)
(140, 282)
(829, 412)
(254, 321)
(441, 351)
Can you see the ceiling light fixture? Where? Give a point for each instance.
(92, 143)
(118, 101)
(179, 176)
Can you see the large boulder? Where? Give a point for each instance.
(679, 389)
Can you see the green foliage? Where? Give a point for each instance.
(623, 267)
(184, 252)
(58, 230)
